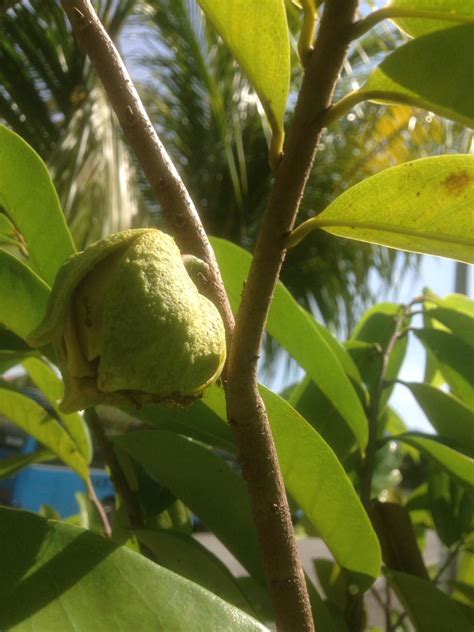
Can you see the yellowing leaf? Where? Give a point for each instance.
(422, 206)
(256, 32)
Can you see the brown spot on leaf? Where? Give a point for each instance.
(456, 183)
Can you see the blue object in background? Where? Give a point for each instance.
(44, 483)
(56, 486)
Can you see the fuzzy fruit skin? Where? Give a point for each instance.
(129, 325)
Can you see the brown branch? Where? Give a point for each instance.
(99, 508)
(245, 407)
(178, 209)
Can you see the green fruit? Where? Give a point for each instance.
(129, 325)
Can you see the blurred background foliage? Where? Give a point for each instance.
(213, 126)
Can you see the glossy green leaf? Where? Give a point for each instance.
(315, 349)
(28, 196)
(460, 323)
(317, 481)
(315, 478)
(454, 462)
(451, 505)
(458, 302)
(464, 588)
(257, 35)
(9, 359)
(397, 537)
(447, 414)
(13, 349)
(429, 72)
(429, 608)
(205, 483)
(197, 422)
(13, 464)
(432, 374)
(455, 359)
(59, 577)
(420, 206)
(185, 556)
(332, 580)
(34, 419)
(23, 298)
(460, 9)
(53, 388)
(311, 403)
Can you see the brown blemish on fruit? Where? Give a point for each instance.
(456, 183)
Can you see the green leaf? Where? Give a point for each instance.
(13, 350)
(23, 298)
(59, 577)
(420, 26)
(460, 323)
(377, 327)
(28, 196)
(464, 589)
(205, 483)
(311, 403)
(185, 556)
(197, 422)
(432, 374)
(429, 608)
(313, 347)
(332, 580)
(451, 506)
(429, 72)
(9, 359)
(447, 414)
(397, 537)
(257, 35)
(52, 386)
(34, 419)
(14, 464)
(316, 480)
(455, 358)
(455, 463)
(458, 302)
(420, 206)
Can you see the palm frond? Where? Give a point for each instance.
(51, 96)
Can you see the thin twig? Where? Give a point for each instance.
(118, 477)
(371, 450)
(388, 605)
(377, 597)
(449, 558)
(99, 508)
(308, 29)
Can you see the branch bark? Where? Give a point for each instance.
(245, 407)
(176, 204)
